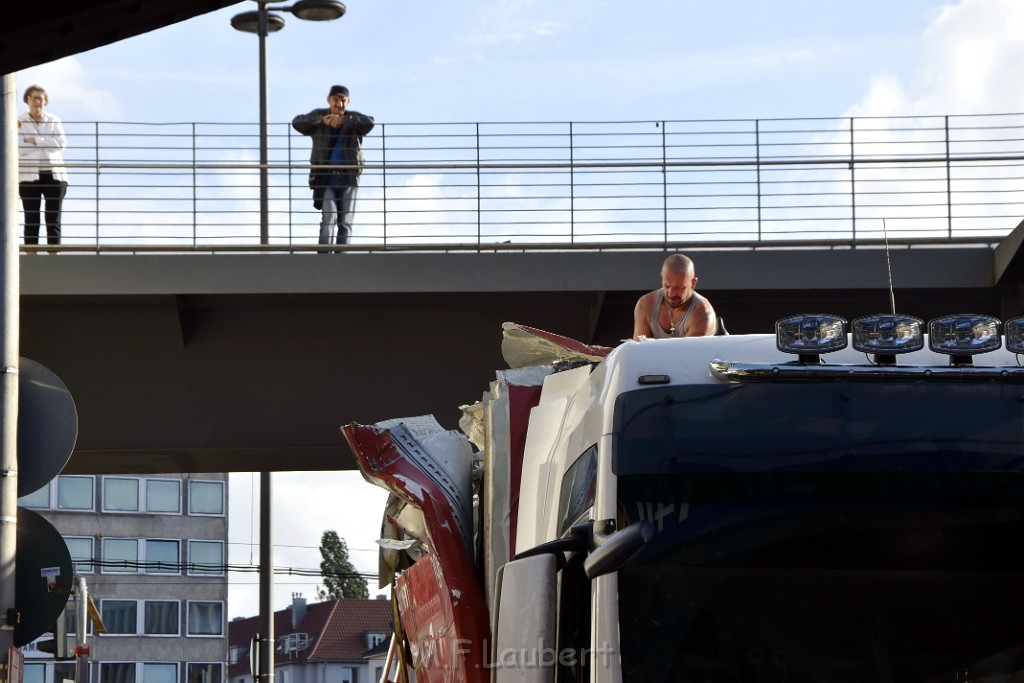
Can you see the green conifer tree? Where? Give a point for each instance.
(340, 578)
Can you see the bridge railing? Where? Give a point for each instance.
(499, 185)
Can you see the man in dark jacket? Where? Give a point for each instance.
(337, 135)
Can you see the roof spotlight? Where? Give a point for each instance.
(963, 335)
(810, 335)
(887, 335)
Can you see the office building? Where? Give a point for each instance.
(153, 550)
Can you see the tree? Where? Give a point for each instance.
(341, 580)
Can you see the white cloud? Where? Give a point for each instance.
(514, 22)
(68, 84)
(968, 67)
(969, 63)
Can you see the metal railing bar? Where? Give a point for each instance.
(602, 165)
(538, 181)
(894, 242)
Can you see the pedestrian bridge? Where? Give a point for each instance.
(192, 343)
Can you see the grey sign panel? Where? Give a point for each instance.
(43, 576)
(47, 426)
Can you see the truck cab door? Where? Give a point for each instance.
(524, 648)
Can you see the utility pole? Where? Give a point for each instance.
(8, 362)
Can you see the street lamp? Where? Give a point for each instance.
(263, 22)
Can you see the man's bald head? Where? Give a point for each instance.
(677, 280)
(677, 264)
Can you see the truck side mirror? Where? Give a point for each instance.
(617, 549)
(524, 621)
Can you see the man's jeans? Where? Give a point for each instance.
(340, 202)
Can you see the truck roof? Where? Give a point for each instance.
(687, 360)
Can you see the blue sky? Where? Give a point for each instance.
(504, 60)
(532, 60)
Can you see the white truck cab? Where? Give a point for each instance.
(835, 502)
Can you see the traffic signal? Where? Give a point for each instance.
(43, 577)
(47, 426)
(47, 430)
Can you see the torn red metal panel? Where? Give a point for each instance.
(428, 619)
(441, 603)
(522, 346)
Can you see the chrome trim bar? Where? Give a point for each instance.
(800, 372)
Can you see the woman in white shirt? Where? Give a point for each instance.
(41, 172)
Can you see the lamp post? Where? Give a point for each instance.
(262, 22)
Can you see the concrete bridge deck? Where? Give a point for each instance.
(252, 362)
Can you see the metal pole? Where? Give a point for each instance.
(266, 670)
(853, 182)
(949, 186)
(82, 669)
(572, 188)
(291, 226)
(384, 181)
(266, 658)
(479, 237)
(264, 203)
(195, 199)
(8, 361)
(664, 184)
(757, 150)
(96, 183)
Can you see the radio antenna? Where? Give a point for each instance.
(888, 264)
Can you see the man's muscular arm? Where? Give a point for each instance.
(641, 315)
(703, 322)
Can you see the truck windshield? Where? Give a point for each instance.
(823, 532)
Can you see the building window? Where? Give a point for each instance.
(126, 672)
(158, 556)
(70, 616)
(349, 674)
(63, 671)
(163, 495)
(206, 497)
(205, 673)
(161, 618)
(120, 672)
(80, 548)
(39, 672)
(206, 557)
(159, 673)
(120, 494)
(163, 557)
(205, 618)
(75, 493)
(120, 556)
(374, 638)
(121, 617)
(33, 673)
(37, 499)
(236, 653)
